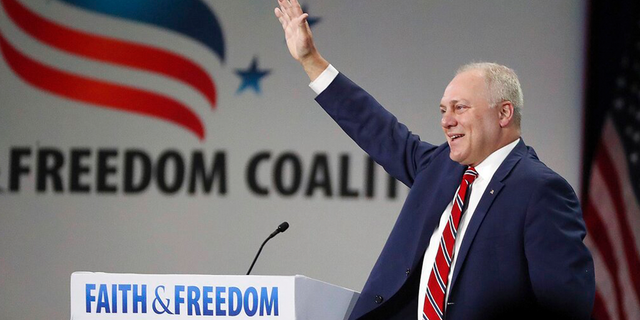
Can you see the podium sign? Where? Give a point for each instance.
(128, 296)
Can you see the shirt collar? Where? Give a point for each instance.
(488, 167)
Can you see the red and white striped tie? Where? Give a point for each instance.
(439, 277)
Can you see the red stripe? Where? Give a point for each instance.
(442, 267)
(612, 181)
(456, 211)
(436, 291)
(598, 233)
(429, 311)
(112, 50)
(600, 309)
(449, 240)
(100, 93)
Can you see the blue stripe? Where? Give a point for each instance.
(447, 258)
(459, 201)
(454, 232)
(192, 18)
(438, 279)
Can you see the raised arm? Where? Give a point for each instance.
(372, 127)
(299, 37)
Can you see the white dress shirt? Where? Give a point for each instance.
(485, 170)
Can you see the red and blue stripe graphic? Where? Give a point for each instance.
(113, 51)
(191, 18)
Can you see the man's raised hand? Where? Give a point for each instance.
(296, 29)
(298, 36)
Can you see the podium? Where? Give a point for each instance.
(96, 295)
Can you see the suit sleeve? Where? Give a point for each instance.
(560, 265)
(375, 130)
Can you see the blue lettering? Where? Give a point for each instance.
(250, 310)
(207, 300)
(107, 299)
(124, 288)
(140, 298)
(193, 295)
(268, 304)
(178, 299)
(220, 300)
(158, 305)
(114, 298)
(89, 287)
(235, 301)
(103, 299)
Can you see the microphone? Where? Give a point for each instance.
(281, 228)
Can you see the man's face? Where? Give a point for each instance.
(469, 123)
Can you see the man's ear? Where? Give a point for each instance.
(505, 116)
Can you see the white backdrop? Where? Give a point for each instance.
(404, 52)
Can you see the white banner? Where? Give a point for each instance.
(126, 296)
(96, 296)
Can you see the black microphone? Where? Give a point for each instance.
(281, 228)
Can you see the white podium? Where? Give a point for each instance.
(140, 296)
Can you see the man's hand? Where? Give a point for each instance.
(296, 29)
(299, 38)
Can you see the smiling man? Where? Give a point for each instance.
(487, 230)
(481, 111)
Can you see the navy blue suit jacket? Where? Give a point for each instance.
(522, 254)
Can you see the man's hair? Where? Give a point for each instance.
(502, 83)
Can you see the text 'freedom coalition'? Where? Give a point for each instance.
(136, 171)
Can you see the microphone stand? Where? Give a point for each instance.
(281, 228)
(258, 254)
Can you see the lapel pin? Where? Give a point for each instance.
(491, 191)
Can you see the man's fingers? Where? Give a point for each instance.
(301, 20)
(280, 17)
(284, 5)
(290, 13)
(295, 7)
(293, 10)
(287, 12)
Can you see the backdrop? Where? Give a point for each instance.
(174, 136)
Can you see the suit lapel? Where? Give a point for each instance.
(490, 194)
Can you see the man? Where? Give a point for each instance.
(487, 230)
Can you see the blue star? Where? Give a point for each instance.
(251, 77)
